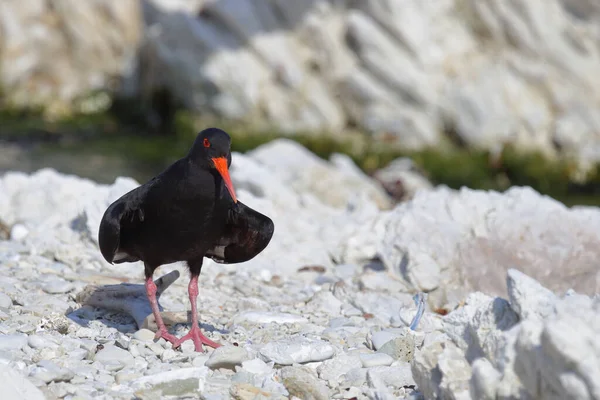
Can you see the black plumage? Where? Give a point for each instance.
(188, 212)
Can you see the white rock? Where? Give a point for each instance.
(12, 342)
(296, 350)
(112, 353)
(333, 369)
(144, 335)
(40, 342)
(227, 357)
(477, 326)
(48, 371)
(302, 383)
(256, 366)
(397, 376)
(18, 232)
(528, 297)
(15, 386)
(382, 337)
(376, 360)
(57, 286)
(178, 382)
(5, 301)
(265, 317)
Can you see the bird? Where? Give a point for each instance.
(186, 213)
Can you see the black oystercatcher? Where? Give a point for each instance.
(188, 212)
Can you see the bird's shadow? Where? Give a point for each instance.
(124, 307)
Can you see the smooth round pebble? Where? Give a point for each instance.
(144, 335)
(227, 357)
(112, 353)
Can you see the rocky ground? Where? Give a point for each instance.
(325, 311)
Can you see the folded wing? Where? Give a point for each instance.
(247, 233)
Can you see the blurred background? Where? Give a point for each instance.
(478, 93)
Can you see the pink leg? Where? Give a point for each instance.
(195, 334)
(162, 329)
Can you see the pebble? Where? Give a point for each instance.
(48, 371)
(40, 342)
(57, 286)
(264, 317)
(375, 359)
(13, 342)
(126, 376)
(382, 337)
(113, 353)
(332, 369)
(227, 357)
(144, 335)
(302, 383)
(297, 350)
(5, 301)
(18, 232)
(402, 348)
(257, 366)
(179, 382)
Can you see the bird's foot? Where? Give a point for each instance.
(163, 333)
(198, 338)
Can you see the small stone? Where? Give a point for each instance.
(297, 350)
(264, 317)
(12, 342)
(144, 335)
(5, 301)
(331, 370)
(256, 366)
(48, 371)
(126, 376)
(302, 383)
(382, 337)
(376, 360)
(113, 353)
(40, 342)
(18, 232)
(401, 348)
(57, 286)
(178, 382)
(398, 376)
(227, 357)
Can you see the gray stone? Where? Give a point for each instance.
(296, 350)
(227, 357)
(48, 371)
(179, 382)
(333, 369)
(5, 301)
(112, 353)
(401, 348)
(12, 342)
(144, 335)
(302, 383)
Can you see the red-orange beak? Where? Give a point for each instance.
(221, 166)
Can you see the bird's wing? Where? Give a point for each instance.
(246, 234)
(123, 213)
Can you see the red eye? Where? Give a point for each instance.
(206, 143)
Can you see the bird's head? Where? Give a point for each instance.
(212, 150)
